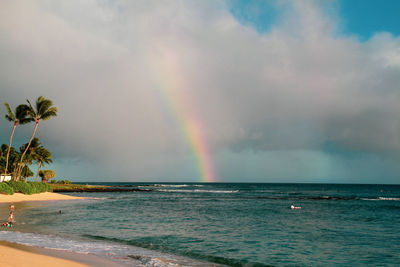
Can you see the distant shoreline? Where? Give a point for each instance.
(80, 188)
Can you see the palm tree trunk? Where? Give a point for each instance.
(26, 149)
(9, 147)
(14, 173)
(37, 174)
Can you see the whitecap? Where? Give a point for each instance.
(198, 191)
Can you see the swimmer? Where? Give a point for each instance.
(11, 217)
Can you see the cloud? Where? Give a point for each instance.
(107, 66)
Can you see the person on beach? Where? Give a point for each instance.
(11, 217)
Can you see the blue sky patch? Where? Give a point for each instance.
(366, 17)
(362, 18)
(258, 14)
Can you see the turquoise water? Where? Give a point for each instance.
(227, 224)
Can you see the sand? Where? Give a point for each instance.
(15, 257)
(18, 197)
(12, 254)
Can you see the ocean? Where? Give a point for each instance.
(221, 224)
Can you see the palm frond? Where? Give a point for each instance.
(10, 116)
(39, 102)
(26, 120)
(42, 155)
(21, 113)
(35, 143)
(31, 110)
(44, 106)
(47, 161)
(51, 112)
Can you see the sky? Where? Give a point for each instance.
(209, 91)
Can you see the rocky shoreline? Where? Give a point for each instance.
(73, 188)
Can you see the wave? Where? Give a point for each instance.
(178, 185)
(383, 198)
(389, 198)
(198, 191)
(120, 251)
(292, 197)
(309, 197)
(154, 243)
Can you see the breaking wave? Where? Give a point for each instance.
(198, 191)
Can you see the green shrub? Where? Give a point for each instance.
(42, 187)
(37, 187)
(47, 175)
(29, 188)
(49, 188)
(21, 187)
(6, 189)
(33, 188)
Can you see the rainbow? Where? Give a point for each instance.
(171, 84)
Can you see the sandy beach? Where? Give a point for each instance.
(15, 257)
(18, 197)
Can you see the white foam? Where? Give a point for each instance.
(198, 191)
(178, 185)
(113, 251)
(382, 198)
(389, 198)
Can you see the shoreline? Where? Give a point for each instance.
(14, 254)
(46, 196)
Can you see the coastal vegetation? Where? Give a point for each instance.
(61, 182)
(28, 188)
(6, 189)
(66, 186)
(47, 175)
(16, 162)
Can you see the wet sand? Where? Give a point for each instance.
(12, 254)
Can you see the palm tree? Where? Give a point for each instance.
(3, 150)
(19, 117)
(15, 156)
(3, 153)
(35, 144)
(26, 173)
(44, 110)
(42, 156)
(30, 155)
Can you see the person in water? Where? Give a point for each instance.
(11, 217)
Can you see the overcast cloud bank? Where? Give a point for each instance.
(296, 103)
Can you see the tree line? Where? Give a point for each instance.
(16, 162)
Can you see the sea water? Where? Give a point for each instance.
(175, 224)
